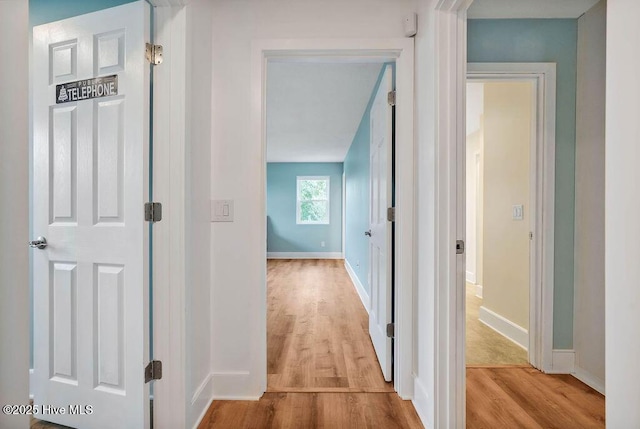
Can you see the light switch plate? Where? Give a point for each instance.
(222, 211)
(518, 212)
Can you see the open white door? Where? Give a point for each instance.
(90, 181)
(380, 250)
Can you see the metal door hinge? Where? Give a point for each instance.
(153, 371)
(391, 214)
(153, 53)
(530, 235)
(153, 212)
(391, 98)
(459, 247)
(391, 328)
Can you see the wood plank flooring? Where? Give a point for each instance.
(321, 367)
(318, 331)
(526, 398)
(314, 410)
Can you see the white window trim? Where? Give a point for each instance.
(326, 221)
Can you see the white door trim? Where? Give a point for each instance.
(450, 82)
(400, 50)
(542, 194)
(169, 247)
(451, 54)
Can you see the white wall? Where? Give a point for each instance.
(182, 149)
(14, 210)
(473, 247)
(238, 253)
(472, 250)
(425, 290)
(199, 344)
(588, 325)
(622, 229)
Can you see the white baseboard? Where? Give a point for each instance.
(562, 361)
(204, 413)
(362, 293)
(234, 386)
(202, 398)
(305, 255)
(471, 277)
(421, 401)
(505, 327)
(479, 291)
(589, 379)
(205, 387)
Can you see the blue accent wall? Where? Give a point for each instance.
(356, 172)
(545, 40)
(43, 11)
(283, 234)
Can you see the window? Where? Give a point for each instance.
(312, 200)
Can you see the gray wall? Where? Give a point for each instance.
(14, 210)
(588, 333)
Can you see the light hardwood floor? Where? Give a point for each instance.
(526, 398)
(322, 369)
(314, 410)
(318, 331)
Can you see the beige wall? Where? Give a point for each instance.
(588, 326)
(507, 136)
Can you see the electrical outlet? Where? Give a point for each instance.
(322, 244)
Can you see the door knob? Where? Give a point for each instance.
(39, 243)
(367, 233)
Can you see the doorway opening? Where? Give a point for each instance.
(522, 231)
(500, 209)
(329, 182)
(400, 51)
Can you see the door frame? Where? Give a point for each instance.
(542, 195)
(170, 188)
(402, 52)
(450, 76)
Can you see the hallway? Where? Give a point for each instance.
(322, 369)
(318, 330)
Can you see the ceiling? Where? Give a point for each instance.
(529, 8)
(314, 109)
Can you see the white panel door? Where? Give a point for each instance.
(380, 250)
(90, 180)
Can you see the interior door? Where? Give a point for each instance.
(90, 181)
(380, 246)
